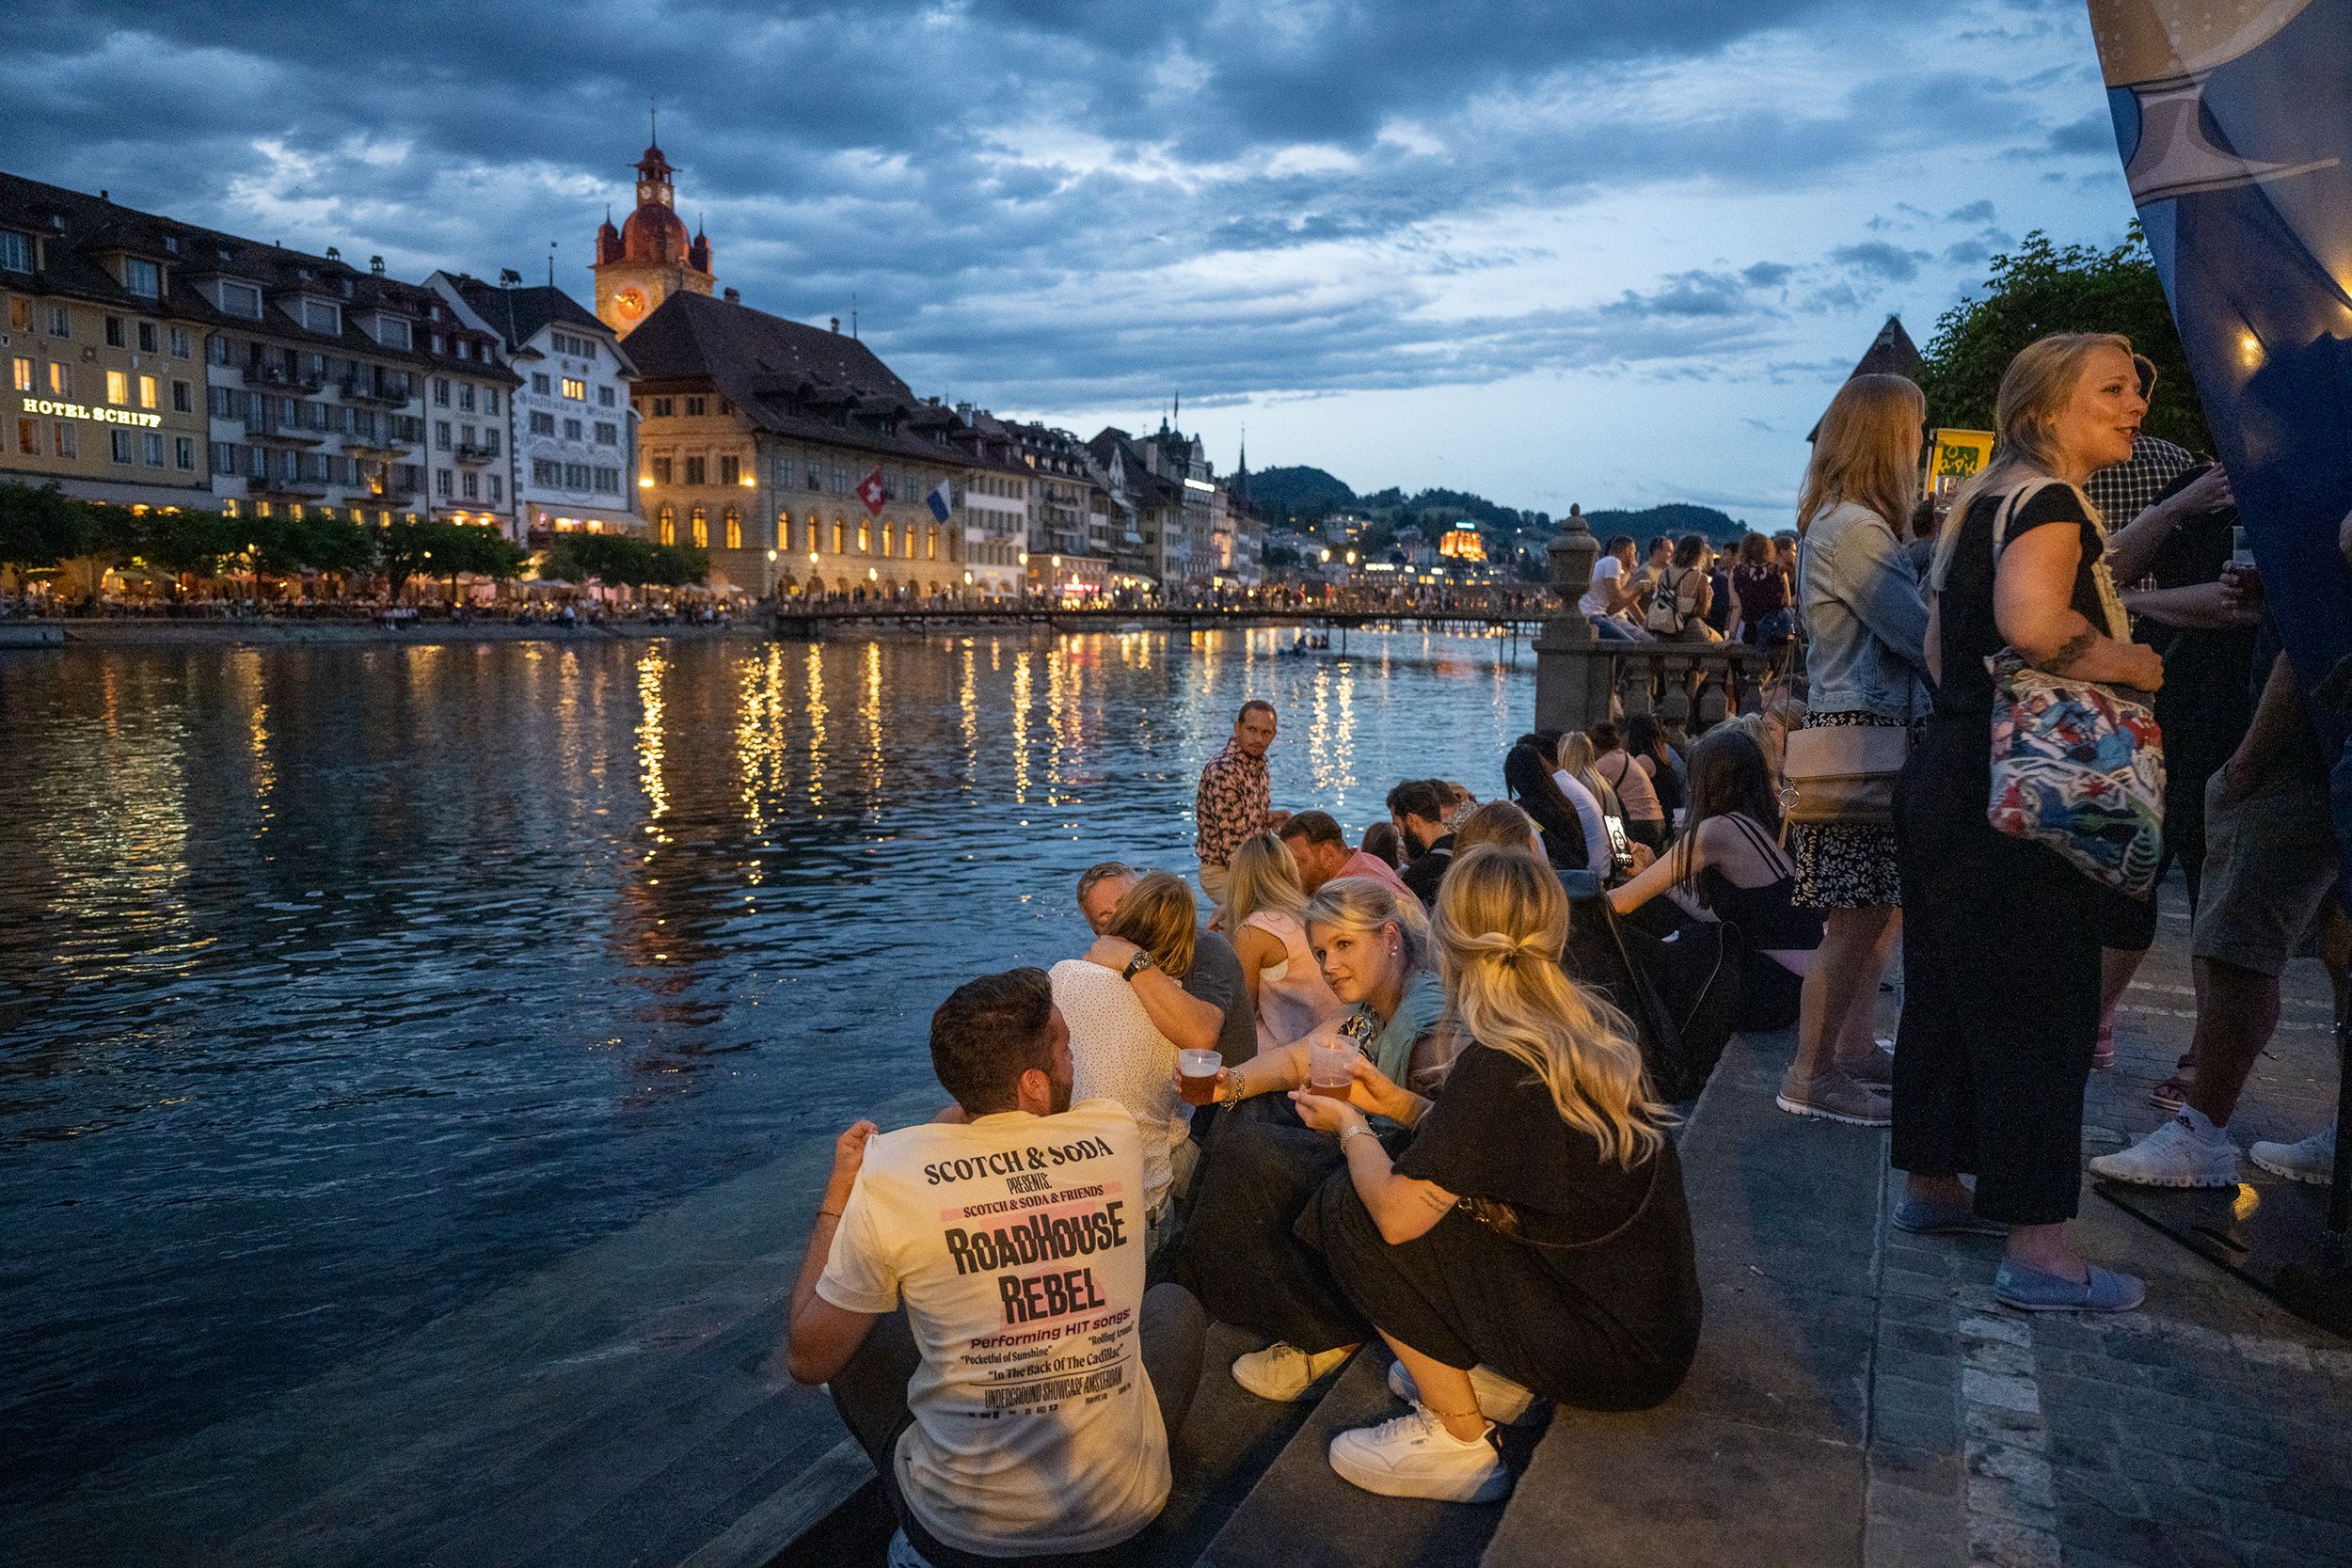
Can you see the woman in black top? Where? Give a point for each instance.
(1534, 1229)
(2001, 939)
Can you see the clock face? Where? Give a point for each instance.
(631, 303)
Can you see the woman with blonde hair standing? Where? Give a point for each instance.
(1866, 668)
(1261, 914)
(1533, 1239)
(2001, 945)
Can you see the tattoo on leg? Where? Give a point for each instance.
(2070, 651)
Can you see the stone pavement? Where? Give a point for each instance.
(2209, 1428)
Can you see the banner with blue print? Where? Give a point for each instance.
(2234, 121)
(943, 499)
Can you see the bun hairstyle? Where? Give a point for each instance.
(1500, 928)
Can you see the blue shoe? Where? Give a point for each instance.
(2030, 1290)
(1925, 1218)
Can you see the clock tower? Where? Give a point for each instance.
(649, 257)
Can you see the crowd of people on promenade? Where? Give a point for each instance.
(1417, 1085)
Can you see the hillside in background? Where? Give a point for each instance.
(1674, 519)
(1298, 492)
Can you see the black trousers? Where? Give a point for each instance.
(2001, 943)
(871, 1395)
(1241, 1254)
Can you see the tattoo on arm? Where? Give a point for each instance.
(1435, 1197)
(2070, 651)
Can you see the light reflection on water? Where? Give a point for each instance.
(339, 986)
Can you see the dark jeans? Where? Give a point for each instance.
(871, 1395)
(2001, 992)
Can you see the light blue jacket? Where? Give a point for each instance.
(1859, 593)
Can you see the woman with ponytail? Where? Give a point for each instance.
(1533, 1239)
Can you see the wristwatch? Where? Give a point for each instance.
(1137, 965)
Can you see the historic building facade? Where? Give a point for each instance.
(649, 258)
(570, 429)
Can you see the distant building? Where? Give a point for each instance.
(649, 258)
(1891, 352)
(1463, 543)
(571, 433)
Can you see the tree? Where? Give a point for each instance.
(39, 527)
(622, 560)
(2039, 289)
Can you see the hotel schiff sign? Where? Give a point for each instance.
(47, 408)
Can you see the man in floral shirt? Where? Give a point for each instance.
(1236, 796)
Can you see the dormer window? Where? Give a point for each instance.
(238, 299)
(144, 278)
(319, 315)
(172, 245)
(16, 252)
(393, 332)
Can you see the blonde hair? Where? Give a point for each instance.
(1158, 915)
(1261, 876)
(1577, 757)
(2035, 390)
(1501, 927)
(1866, 452)
(1497, 822)
(1362, 905)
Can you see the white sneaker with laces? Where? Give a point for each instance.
(2312, 1159)
(1499, 1400)
(1283, 1372)
(1414, 1456)
(2172, 1156)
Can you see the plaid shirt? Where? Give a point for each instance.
(1235, 799)
(2124, 490)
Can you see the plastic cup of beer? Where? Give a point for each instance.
(1196, 1076)
(1327, 1067)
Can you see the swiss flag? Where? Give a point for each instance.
(873, 493)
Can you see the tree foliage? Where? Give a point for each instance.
(622, 560)
(2039, 289)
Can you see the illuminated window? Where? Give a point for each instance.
(575, 390)
(229, 506)
(930, 546)
(260, 509)
(146, 392)
(23, 373)
(118, 386)
(885, 550)
(836, 536)
(60, 379)
(865, 538)
(294, 511)
(735, 529)
(665, 526)
(702, 528)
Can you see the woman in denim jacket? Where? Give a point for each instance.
(1858, 592)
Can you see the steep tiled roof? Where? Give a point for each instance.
(519, 313)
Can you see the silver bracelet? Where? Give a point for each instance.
(1349, 1132)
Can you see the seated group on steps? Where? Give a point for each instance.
(1328, 1116)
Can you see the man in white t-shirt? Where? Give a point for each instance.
(1020, 1404)
(1612, 592)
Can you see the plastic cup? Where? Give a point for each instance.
(1196, 1076)
(1327, 1068)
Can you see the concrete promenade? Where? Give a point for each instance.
(1858, 1399)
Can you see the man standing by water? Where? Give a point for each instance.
(1236, 796)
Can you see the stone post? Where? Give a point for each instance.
(1573, 672)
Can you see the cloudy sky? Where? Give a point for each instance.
(1612, 251)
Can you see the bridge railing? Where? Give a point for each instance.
(1690, 685)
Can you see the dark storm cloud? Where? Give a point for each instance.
(1040, 199)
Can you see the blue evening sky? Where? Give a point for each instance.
(1603, 251)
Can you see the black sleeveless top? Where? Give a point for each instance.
(1768, 918)
(1967, 632)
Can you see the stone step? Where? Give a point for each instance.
(1761, 1455)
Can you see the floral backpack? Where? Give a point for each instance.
(2077, 766)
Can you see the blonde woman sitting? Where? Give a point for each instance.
(1533, 1238)
(1264, 917)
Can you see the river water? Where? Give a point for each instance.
(340, 985)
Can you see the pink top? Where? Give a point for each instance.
(1292, 996)
(1362, 865)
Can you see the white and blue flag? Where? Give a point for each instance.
(943, 499)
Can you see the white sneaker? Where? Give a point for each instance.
(2172, 1156)
(1499, 1400)
(1283, 1372)
(1414, 1456)
(2313, 1159)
